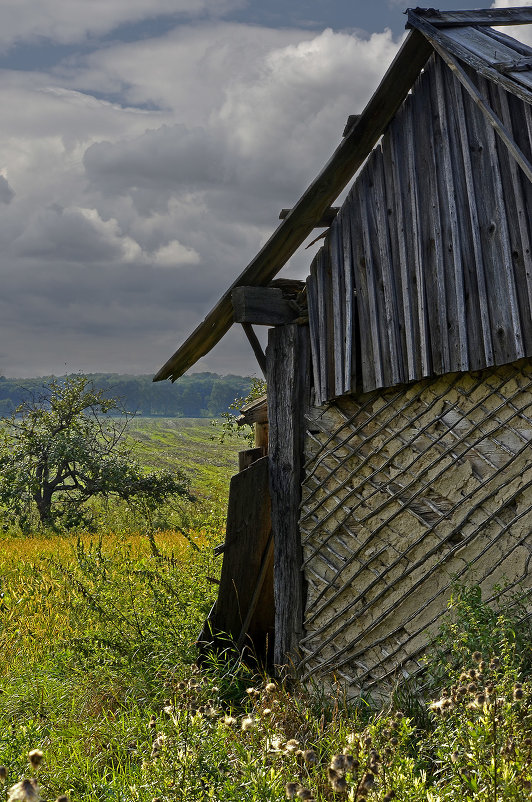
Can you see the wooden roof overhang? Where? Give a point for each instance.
(459, 37)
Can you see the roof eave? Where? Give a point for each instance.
(295, 228)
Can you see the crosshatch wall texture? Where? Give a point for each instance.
(406, 491)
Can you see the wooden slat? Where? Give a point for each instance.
(414, 247)
(324, 347)
(325, 220)
(450, 217)
(263, 306)
(350, 310)
(288, 356)
(347, 158)
(518, 217)
(246, 542)
(256, 346)
(338, 295)
(367, 293)
(390, 336)
(314, 331)
(448, 45)
(476, 274)
(490, 16)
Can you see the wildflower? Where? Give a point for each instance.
(399, 715)
(332, 774)
(477, 657)
(62, 798)
(304, 793)
(291, 745)
(35, 758)
(291, 790)
(270, 687)
(252, 692)
(229, 721)
(267, 712)
(480, 699)
(3, 773)
(394, 741)
(310, 757)
(24, 791)
(518, 694)
(472, 687)
(247, 724)
(494, 662)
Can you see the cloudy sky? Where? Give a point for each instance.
(147, 147)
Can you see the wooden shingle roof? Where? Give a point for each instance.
(460, 38)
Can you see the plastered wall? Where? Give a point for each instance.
(406, 492)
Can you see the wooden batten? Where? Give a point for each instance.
(262, 306)
(288, 375)
(329, 214)
(254, 412)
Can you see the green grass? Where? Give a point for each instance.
(97, 671)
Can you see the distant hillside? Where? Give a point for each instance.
(199, 395)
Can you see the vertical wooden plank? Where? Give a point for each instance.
(477, 270)
(321, 286)
(414, 247)
(349, 301)
(336, 254)
(396, 169)
(245, 593)
(389, 319)
(517, 216)
(430, 225)
(504, 313)
(314, 329)
(288, 361)
(367, 290)
(449, 203)
(359, 275)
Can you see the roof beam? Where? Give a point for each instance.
(292, 232)
(488, 16)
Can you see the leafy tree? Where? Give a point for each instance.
(63, 446)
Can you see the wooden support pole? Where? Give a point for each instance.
(257, 348)
(288, 372)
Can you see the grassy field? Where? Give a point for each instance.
(97, 673)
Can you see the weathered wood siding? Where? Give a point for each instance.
(427, 268)
(405, 491)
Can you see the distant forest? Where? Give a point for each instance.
(199, 395)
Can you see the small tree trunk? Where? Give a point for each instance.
(43, 500)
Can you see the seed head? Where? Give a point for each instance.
(339, 785)
(368, 781)
(291, 790)
(3, 773)
(291, 745)
(35, 757)
(304, 793)
(480, 700)
(229, 721)
(271, 687)
(247, 724)
(24, 791)
(310, 757)
(477, 657)
(332, 774)
(338, 762)
(518, 693)
(494, 662)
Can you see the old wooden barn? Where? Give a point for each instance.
(399, 411)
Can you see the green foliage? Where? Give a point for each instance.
(61, 448)
(230, 427)
(194, 395)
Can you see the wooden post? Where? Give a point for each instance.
(288, 372)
